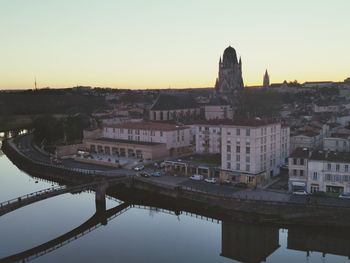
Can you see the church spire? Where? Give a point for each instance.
(266, 81)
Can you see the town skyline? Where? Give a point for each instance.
(142, 45)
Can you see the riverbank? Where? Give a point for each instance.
(235, 207)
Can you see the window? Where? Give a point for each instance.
(247, 159)
(247, 132)
(346, 168)
(238, 158)
(238, 132)
(329, 166)
(301, 172)
(294, 172)
(228, 148)
(314, 176)
(247, 150)
(228, 165)
(328, 177)
(228, 156)
(346, 178)
(301, 161)
(238, 149)
(161, 134)
(247, 167)
(295, 161)
(238, 166)
(337, 167)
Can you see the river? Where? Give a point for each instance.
(144, 235)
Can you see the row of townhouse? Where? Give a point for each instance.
(317, 170)
(252, 150)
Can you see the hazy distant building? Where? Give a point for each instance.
(174, 107)
(229, 81)
(266, 81)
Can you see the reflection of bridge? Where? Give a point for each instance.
(98, 219)
(100, 187)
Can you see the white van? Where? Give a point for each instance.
(196, 177)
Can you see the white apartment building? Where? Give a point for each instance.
(176, 138)
(326, 171)
(208, 138)
(253, 150)
(141, 140)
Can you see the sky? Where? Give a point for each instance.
(165, 43)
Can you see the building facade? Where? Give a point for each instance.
(335, 143)
(313, 171)
(208, 138)
(142, 140)
(253, 150)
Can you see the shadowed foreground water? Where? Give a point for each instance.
(141, 235)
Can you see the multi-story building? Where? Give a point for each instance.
(313, 171)
(297, 171)
(337, 142)
(208, 137)
(142, 140)
(253, 150)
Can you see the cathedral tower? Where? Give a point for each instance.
(229, 81)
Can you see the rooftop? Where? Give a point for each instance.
(252, 122)
(300, 153)
(330, 156)
(155, 126)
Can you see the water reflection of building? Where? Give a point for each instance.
(248, 243)
(325, 240)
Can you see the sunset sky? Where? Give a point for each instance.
(157, 44)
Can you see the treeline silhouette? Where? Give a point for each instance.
(47, 102)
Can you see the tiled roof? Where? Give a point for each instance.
(330, 156)
(300, 153)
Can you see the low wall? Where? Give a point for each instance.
(285, 213)
(65, 150)
(91, 161)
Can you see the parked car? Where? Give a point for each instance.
(210, 180)
(226, 182)
(344, 196)
(241, 185)
(139, 168)
(196, 177)
(285, 166)
(143, 174)
(156, 174)
(299, 192)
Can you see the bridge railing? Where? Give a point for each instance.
(37, 193)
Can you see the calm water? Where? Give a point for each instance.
(140, 235)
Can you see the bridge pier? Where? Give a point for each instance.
(100, 201)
